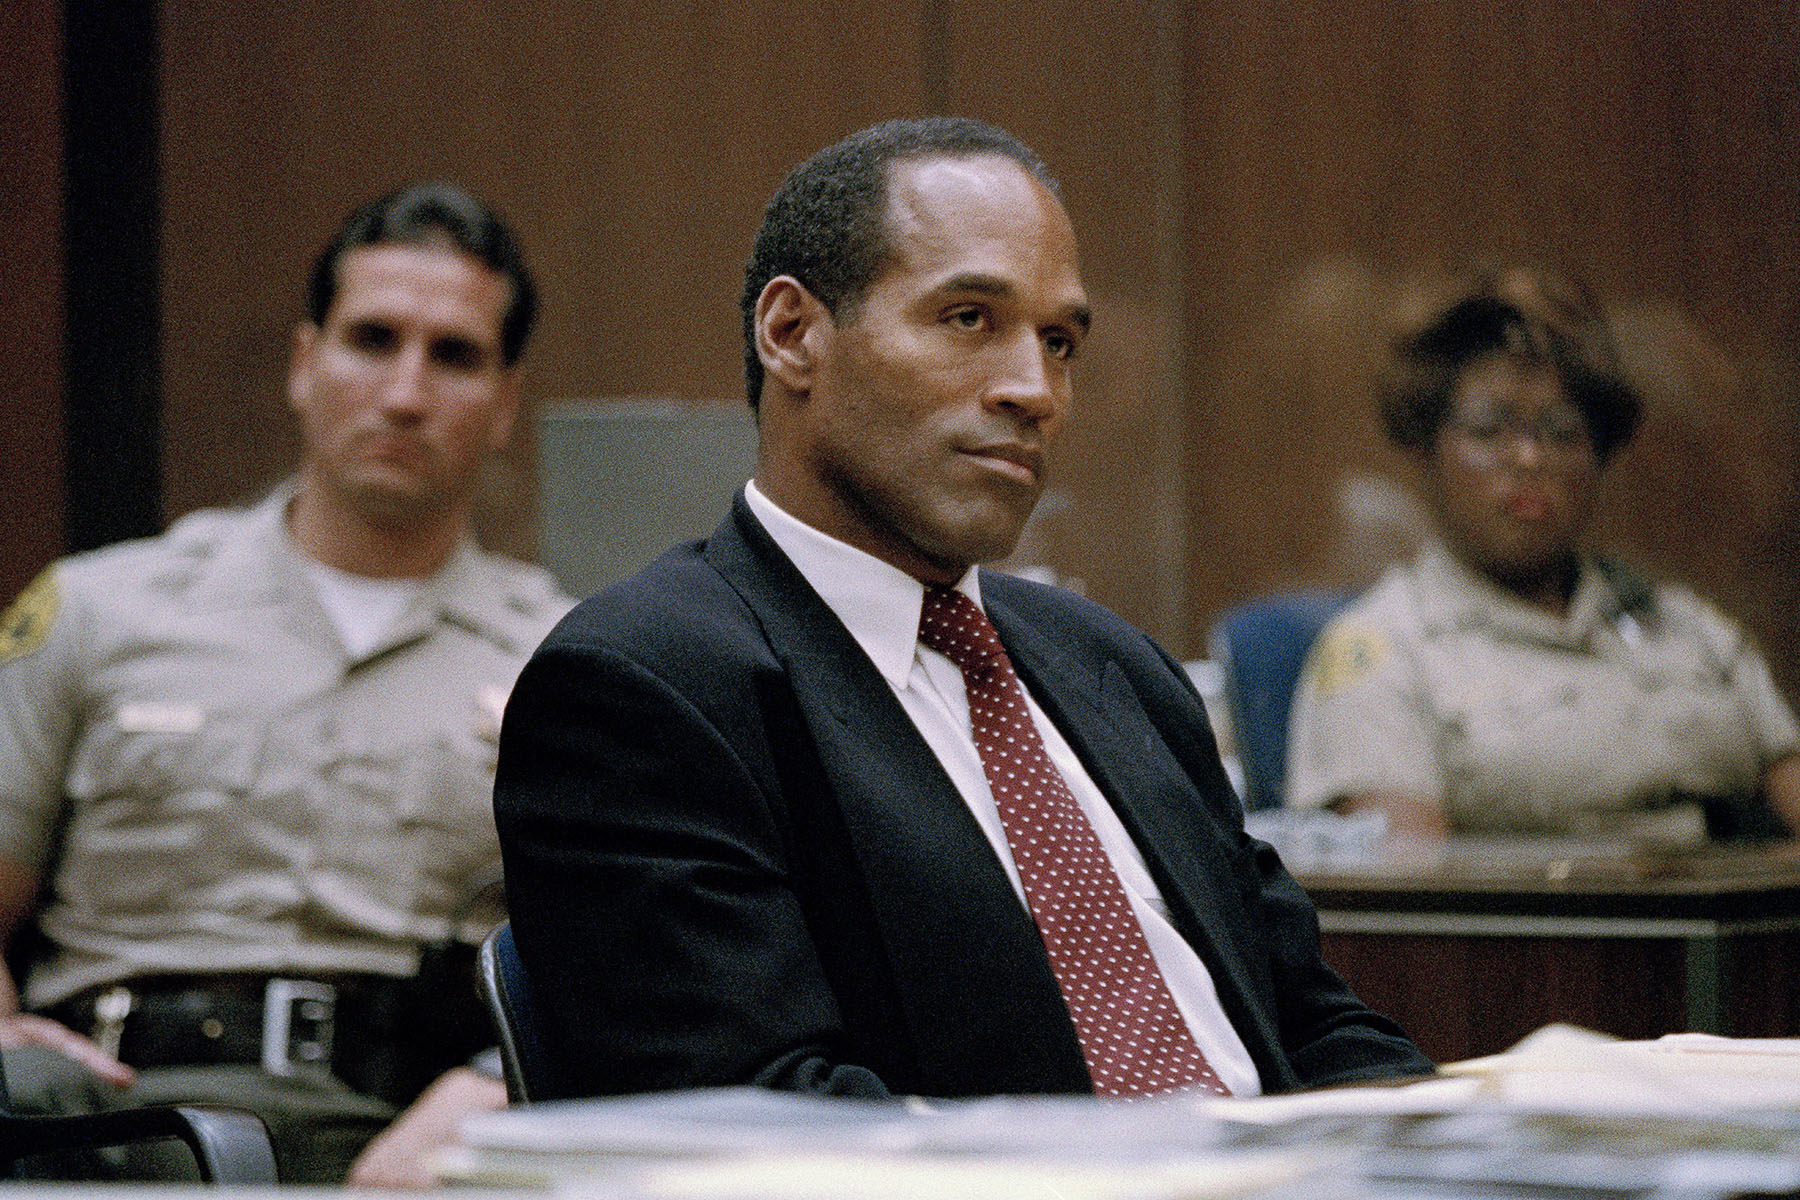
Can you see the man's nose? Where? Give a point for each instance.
(408, 382)
(1029, 382)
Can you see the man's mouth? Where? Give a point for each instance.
(1015, 460)
(393, 447)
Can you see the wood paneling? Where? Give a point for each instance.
(1465, 997)
(1262, 192)
(1461, 998)
(632, 146)
(1346, 157)
(31, 348)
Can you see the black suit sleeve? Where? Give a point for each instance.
(649, 891)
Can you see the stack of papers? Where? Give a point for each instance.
(711, 1145)
(1566, 1112)
(1682, 1076)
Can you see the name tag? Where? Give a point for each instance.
(157, 716)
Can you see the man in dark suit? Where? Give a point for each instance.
(762, 825)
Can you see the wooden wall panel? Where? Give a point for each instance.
(31, 315)
(1262, 193)
(1082, 85)
(1346, 159)
(632, 146)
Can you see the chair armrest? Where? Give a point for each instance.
(228, 1146)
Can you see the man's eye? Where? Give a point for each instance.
(455, 352)
(968, 318)
(1060, 345)
(370, 337)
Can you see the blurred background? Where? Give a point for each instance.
(1262, 192)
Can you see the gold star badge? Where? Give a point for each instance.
(1344, 656)
(25, 625)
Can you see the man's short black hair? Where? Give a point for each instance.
(826, 225)
(421, 214)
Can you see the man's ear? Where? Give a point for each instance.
(300, 361)
(790, 325)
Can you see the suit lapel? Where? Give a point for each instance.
(950, 923)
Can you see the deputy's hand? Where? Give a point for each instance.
(26, 1029)
(398, 1158)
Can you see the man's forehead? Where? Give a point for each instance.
(418, 276)
(952, 213)
(933, 184)
(423, 262)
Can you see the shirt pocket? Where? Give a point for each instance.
(424, 835)
(154, 799)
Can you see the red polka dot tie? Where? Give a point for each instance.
(1132, 1035)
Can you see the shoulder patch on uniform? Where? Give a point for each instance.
(1345, 655)
(25, 625)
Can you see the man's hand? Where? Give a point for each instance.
(397, 1159)
(24, 1029)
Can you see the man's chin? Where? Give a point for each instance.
(973, 546)
(391, 503)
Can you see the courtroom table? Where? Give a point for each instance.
(1474, 943)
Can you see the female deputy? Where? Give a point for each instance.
(1505, 681)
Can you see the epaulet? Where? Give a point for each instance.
(526, 599)
(199, 532)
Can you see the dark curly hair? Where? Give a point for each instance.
(1533, 317)
(826, 225)
(418, 215)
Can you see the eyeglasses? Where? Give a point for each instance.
(1561, 435)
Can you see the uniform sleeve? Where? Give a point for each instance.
(649, 894)
(1767, 712)
(1361, 721)
(42, 639)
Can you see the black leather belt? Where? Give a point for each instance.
(352, 1026)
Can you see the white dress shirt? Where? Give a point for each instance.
(879, 604)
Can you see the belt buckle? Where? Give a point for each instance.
(298, 1020)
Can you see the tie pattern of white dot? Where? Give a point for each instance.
(1132, 1035)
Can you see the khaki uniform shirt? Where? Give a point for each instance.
(1439, 683)
(214, 784)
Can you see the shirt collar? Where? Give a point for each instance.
(259, 561)
(877, 602)
(1456, 596)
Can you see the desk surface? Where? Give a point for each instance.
(1560, 878)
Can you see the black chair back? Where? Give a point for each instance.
(506, 989)
(1262, 647)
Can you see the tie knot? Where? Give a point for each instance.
(954, 626)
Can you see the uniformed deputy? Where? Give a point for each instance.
(1505, 681)
(249, 762)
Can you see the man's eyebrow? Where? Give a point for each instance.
(1078, 315)
(977, 282)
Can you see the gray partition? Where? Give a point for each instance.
(620, 481)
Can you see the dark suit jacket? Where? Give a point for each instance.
(731, 858)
